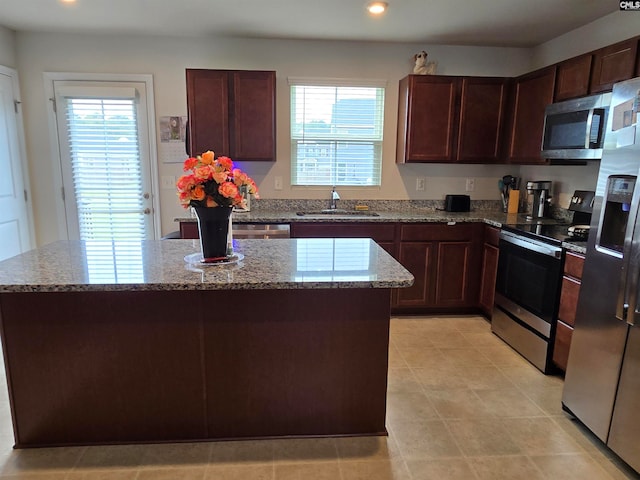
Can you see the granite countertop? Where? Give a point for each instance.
(67, 266)
(490, 217)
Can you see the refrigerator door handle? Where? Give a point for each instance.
(627, 305)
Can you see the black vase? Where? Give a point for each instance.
(213, 225)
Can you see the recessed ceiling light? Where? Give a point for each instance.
(68, 1)
(377, 8)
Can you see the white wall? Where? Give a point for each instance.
(166, 59)
(7, 47)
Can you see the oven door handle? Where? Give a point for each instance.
(530, 244)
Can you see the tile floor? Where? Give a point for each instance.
(461, 405)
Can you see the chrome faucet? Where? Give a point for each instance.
(334, 199)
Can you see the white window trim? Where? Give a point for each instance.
(49, 78)
(337, 82)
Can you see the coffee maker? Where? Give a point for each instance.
(538, 198)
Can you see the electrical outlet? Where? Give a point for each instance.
(278, 183)
(420, 183)
(168, 182)
(471, 184)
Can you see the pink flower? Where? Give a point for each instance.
(226, 162)
(189, 164)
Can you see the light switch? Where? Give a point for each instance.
(168, 182)
(278, 183)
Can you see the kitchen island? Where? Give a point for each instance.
(127, 342)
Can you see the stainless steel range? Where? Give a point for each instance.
(529, 280)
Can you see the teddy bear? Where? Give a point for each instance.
(422, 67)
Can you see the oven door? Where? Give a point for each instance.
(529, 276)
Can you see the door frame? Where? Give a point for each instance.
(22, 149)
(147, 79)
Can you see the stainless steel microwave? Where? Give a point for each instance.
(574, 129)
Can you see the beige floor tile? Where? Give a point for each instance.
(485, 377)
(181, 473)
(367, 448)
(570, 467)
(449, 340)
(465, 357)
(112, 456)
(458, 403)
(239, 472)
(434, 324)
(92, 474)
(422, 357)
(35, 476)
(503, 356)
(579, 433)
(527, 376)
(424, 440)
(308, 471)
(395, 359)
(408, 340)
(444, 469)
(509, 403)
(506, 468)
(482, 436)
(375, 470)
(42, 460)
(471, 323)
(540, 436)
(409, 406)
(402, 380)
(243, 452)
(176, 455)
(483, 339)
(305, 450)
(549, 399)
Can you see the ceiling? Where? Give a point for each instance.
(513, 23)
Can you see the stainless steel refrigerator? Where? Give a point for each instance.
(602, 382)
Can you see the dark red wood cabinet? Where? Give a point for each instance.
(572, 77)
(612, 64)
(571, 282)
(489, 269)
(447, 119)
(232, 112)
(530, 95)
(445, 261)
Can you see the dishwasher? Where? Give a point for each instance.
(260, 230)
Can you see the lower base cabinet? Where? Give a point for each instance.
(490, 256)
(573, 266)
(445, 261)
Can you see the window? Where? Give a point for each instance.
(336, 132)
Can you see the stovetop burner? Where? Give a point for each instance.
(553, 234)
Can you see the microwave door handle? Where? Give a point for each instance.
(587, 140)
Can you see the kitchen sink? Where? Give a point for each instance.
(339, 212)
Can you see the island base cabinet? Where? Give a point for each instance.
(136, 367)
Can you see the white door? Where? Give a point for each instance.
(15, 223)
(103, 133)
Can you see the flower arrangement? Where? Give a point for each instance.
(213, 183)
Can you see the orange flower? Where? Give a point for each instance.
(198, 192)
(228, 190)
(190, 163)
(203, 173)
(226, 162)
(219, 177)
(207, 157)
(186, 182)
(211, 202)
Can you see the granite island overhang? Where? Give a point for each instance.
(126, 342)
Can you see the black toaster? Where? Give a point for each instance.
(457, 203)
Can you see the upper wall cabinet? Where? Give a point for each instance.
(530, 96)
(572, 78)
(613, 64)
(232, 113)
(444, 119)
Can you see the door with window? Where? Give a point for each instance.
(103, 134)
(15, 222)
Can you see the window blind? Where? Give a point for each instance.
(106, 167)
(336, 133)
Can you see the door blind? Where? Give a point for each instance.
(106, 167)
(336, 134)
